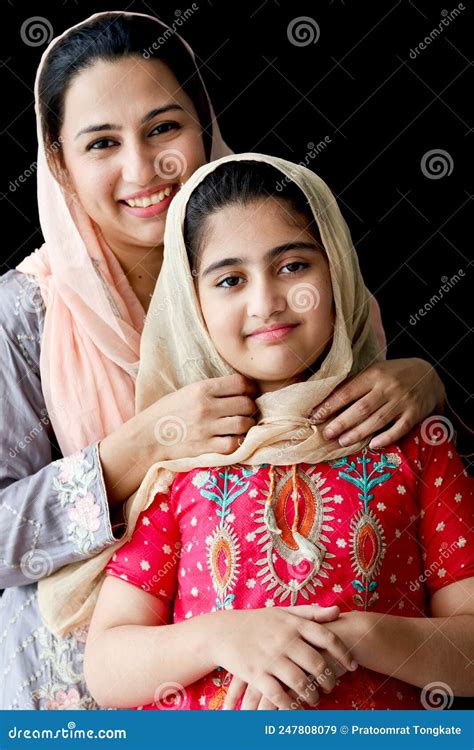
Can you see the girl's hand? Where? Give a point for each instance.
(283, 654)
(209, 416)
(403, 391)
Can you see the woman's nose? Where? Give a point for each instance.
(138, 165)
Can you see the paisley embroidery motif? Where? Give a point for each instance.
(367, 534)
(282, 566)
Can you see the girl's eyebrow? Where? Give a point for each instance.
(107, 126)
(267, 258)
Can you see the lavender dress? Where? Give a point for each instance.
(53, 511)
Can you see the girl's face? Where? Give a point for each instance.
(260, 268)
(129, 129)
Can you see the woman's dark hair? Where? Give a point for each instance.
(240, 183)
(107, 38)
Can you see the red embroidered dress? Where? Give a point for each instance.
(390, 529)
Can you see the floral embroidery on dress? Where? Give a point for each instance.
(282, 567)
(64, 657)
(367, 534)
(223, 549)
(74, 479)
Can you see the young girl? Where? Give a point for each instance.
(208, 606)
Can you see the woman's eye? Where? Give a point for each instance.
(228, 282)
(100, 144)
(295, 266)
(165, 127)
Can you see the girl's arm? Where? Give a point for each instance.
(398, 391)
(133, 654)
(418, 650)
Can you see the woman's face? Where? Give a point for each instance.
(118, 141)
(261, 270)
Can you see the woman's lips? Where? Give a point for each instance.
(150, 211)
(275, 334)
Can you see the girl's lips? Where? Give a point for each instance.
(150, 211)
(275, 334)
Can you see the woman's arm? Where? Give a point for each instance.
(418, 650)
(398, 391)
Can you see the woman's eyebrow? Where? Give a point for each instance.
(267, 258)
(108, 126)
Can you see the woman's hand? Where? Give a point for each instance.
(280, 656)
(398, 391)
(210, 416)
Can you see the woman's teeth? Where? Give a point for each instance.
(150, 200)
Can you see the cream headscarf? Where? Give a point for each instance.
(91, 340)
(176, 350)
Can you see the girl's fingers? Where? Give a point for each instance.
(342, 396)
(234, 406)
(397, 431)
(232, 385)
(313, 663)
(356, 414)
(234, 693)
(314, 612)
(266, 705)
(274, 692)
(322, 638)
(294, 678)
(232, 425)
(251, 699)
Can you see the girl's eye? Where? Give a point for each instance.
(227, 283)
(165, 127)
(99, 145)
(296, 266)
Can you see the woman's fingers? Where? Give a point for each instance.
(266, 705)
(232, 385)
(345, 394)
(323, 638)
(231, 406)
(274, 692)
(235, 691)
(403, 425)
(233, 425)
(313, 663)
(354, 416)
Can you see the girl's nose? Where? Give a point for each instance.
(266, 297)
(138, 165)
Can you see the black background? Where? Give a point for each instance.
(357, 85)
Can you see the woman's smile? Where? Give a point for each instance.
(150, 203)
(273, 333)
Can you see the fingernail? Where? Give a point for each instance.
(329, 433)
(354, 665)
(373, 445)
(343, 441)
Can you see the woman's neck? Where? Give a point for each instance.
(141, 268)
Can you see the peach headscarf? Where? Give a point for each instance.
(93, 323)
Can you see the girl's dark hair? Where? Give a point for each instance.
(108, 38)
(240, 182)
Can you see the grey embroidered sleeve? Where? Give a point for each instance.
(52, 512)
